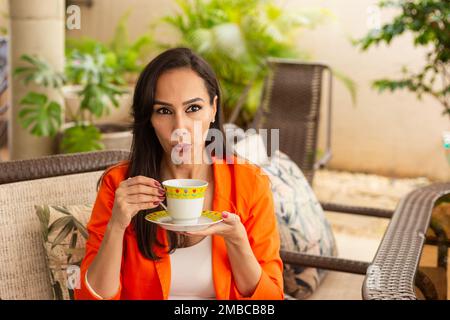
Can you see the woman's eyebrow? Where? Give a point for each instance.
(184, 103)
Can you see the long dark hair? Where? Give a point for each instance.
(146, 151)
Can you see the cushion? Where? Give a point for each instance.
(302, 223)
(64, 236)
(24, 271)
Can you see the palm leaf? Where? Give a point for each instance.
(62, 209)
(81, 228)
(58, 291)
(59, 223)
(43, 213)
(63, 234)
(72, 245)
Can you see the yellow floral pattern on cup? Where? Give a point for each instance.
(185, 192)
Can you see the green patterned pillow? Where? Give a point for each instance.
(64, 237)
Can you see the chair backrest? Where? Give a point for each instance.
(291, 102)
(57, 165)
(24, 272)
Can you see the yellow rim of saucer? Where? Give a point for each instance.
(214, 216)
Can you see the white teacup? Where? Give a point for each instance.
(185, 199)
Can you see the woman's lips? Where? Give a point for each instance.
(182, 146)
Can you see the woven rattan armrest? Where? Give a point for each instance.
(392, 273)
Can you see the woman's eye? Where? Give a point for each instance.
(194, 108)
(163, 111)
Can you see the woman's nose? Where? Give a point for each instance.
(180, 130)
(180, 121)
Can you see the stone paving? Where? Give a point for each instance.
(361, 189)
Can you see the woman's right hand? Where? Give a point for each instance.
(132, 195)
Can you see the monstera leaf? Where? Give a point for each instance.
(81, 138)
(40, 72)
(43, 116)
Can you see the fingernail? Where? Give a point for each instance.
(225, 214)
(156, 203)
(161, 192)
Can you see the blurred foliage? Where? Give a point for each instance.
(43, 117)
(126, 58)
(429, 23)
(100, 69)
(40, 72)
(236, 37)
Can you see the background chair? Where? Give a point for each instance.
(71, 179)
(292, 101)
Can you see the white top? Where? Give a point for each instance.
(191, 272)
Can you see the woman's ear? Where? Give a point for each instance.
(214, 106)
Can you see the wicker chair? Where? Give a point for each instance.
(291, 102)
(23, 275)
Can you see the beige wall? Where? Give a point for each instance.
(100, 20)
(391, 134)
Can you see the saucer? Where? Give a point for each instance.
(162, 218)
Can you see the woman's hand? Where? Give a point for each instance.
(132, 195)
(231, 229)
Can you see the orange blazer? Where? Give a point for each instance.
(239, 188)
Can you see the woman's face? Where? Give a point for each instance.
(181, 104)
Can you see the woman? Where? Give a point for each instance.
(128, 257)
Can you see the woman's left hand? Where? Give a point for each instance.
(231, 229)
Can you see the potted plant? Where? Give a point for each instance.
(97, 87)
(428, 21)
(44, 117)
(125, 57)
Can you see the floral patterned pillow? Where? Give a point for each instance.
(64, 237)
(301, 221)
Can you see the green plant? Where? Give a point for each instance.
(236, 37)
(429, 23)
(125, 57)
(43, 117)
(98, 81)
